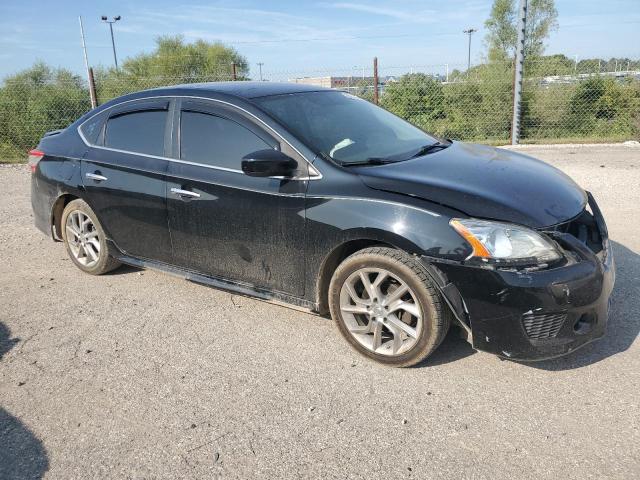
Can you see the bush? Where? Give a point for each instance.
(478, 105)
(38, 100)
(10, 153)
(415, 97)
(475, 105)
(604, 107)
(42, 98)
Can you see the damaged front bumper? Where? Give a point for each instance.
(534, 315)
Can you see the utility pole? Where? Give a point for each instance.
(92, 89)
(469, 32)
(518, 73)
(113, 43)
(260, 67)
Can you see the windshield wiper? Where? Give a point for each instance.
(368, 161)
(429, 148)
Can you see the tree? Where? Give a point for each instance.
(172, 62)
(35, 101)
(501, 38)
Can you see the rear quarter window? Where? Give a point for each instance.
(92, 130)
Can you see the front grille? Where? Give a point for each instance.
(543, 325)
(588, 227)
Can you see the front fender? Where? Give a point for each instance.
(418, 229)
(426, 231)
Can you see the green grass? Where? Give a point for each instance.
(11, 154)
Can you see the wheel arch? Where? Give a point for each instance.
(356, 240)
(56, 213)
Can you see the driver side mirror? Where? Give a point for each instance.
(268, 163)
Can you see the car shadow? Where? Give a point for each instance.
(124, 269)
(452, 348)
(624, 320)
(22, 454)
(622, 329)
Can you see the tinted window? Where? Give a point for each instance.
(212, 140)
(92, 128)
(141, 132)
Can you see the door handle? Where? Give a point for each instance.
(96, 177)
(185, 193)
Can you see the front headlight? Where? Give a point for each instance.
(504, 243)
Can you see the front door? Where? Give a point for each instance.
(223, 222)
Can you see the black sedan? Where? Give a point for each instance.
(323, 201)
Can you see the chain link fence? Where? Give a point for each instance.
(562, 101)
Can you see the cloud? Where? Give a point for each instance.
(413, 16)
(236, 25)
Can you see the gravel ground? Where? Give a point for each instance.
(138, 374)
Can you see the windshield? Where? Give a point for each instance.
(346, 128)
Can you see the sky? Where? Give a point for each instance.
(297, 38)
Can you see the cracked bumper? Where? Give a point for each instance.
(537, 315)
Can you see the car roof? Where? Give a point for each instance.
(243, 89)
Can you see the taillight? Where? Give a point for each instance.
(34, 157)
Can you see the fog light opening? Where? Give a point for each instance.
(584, 324)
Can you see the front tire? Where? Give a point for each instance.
(85, 240)
(387, 307)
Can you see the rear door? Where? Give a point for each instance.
(223, 222)
(124, 176)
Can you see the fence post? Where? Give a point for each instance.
(518, 74)
(375, 80)
(234, 75)
(92, 89)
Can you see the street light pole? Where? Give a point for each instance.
(113, 43)
(260, 67)
(469, 32)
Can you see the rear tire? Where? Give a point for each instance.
(399, 318)
(85, 240)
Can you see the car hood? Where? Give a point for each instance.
(484, 182)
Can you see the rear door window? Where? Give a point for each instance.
(140, 131)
